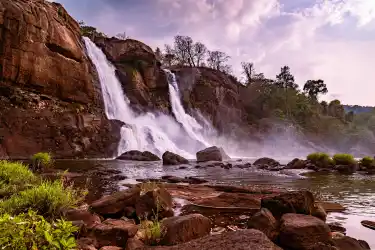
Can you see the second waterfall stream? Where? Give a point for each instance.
(153, 132)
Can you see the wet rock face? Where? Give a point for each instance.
(49, 91)
(139, 71)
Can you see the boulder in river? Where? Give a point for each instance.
(212, 154)
(267, 163)
(297, 164)
(265, 222)
(298, 231)
(182, 229)
(135, 155)
(170, 158)
(347, 169)
(300, 202)
(348, 243)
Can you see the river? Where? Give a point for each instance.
(356, 192)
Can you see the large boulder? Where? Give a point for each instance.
(348, 243)
(88, 218)
(211, 154)
(267, 163)
(155, 203)
(50, 94)
(265, 222)
(113, 233)
(170, 158)
(248, 239)
(297, 164)
(298, 231)
(135, 155)
(301, 202)
(319, 212)
(182, 229)
(116, 203)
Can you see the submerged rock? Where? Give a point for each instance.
(300, 202)
(298, 231)
(212, 154)
(182, 229)
(135, 155)
(170, 158)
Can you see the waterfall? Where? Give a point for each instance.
(155, 133)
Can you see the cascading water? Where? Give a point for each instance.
(155, 133)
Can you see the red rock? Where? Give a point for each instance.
(348, 243)
(113, 232)
(116, 203)
(158, 201)
(79, 214)
(264, 222)
(298, 231)
(182, 229)
(134, 244)
(111, 248)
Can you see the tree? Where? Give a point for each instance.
(122, 36)
(248, 71)
(200, 52)
(217, 60)
(183, 50)
(90, 31)
(159, 54)
(285, 79)
(314, 87)
(169, 56)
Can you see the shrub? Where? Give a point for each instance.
(320, 159)
(149, 186)
(14, 177)
(367, 161)
(48, 199)
(344, 159)
(41, 159)
(31, 231)
(153, 231)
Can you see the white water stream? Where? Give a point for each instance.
(153, 132)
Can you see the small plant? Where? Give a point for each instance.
(153, 231)
(31, 231)
(41, 160)
(149, 186)
(48, 199)
(344, 159)
(367, 161)
(320, 159)
(14, 177)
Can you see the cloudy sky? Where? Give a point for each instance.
(329, 39)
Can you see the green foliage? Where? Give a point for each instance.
(149, 186)
(367, 161)
(42, 158)
(48, 199)
(314, 87)
(90, 31)
(31, 231)
(14, 177)
(152, 230)
(320, 159)
(344, 159)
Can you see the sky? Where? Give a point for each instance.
(333, 40)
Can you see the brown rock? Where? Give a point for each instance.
(347, 169)
(80, 214)
(337, 227)
(49, 91)
(111, 248)
(113, 232)
(135, 155)
(301, 202)
(265, 222)
(248, 239)
(170, 158)
(298, 231)
(182, 229)
(319, 212)
(134, 244)
(297, 164)
(156, 202)
(267, 163)
(116, 203)
(211, 154)
(348, 243)
(87, 244)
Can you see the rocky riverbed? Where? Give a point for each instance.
(353, 191)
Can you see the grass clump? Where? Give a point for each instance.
(320, 159)
(149, 186)
(15, 177)
(41, 160)
(48, 199)
(32, 231)
(344, 159)
(152, 232)
(367, 161)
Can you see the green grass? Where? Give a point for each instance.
(320, 159)
(149, 186)
(344, 159)
(31, 231)
(42, 158)
(367, 161)
(152, 232)
(48, 199)
(15, 177)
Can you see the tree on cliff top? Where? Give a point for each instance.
(314, 87)
(218, 60)
(285, 79)
(249, 71)
(90, 31)
(186, 52)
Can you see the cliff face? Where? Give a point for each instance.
(139, 72)
(49, 93)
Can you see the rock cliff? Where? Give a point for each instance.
(49, 92)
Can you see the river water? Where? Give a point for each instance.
(356, 192)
